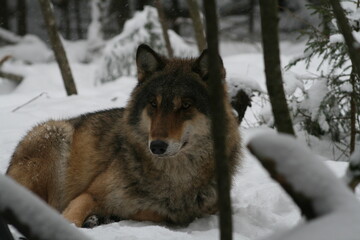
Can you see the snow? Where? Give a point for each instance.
(43, 220)
(30, 49)
(260, 206)
(335, 205)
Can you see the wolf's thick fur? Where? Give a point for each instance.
(151, 161)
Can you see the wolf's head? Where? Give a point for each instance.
(169, 108)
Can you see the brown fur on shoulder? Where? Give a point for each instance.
(151, 161)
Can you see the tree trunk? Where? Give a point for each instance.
(164, 27)
(140, 4)
(219, 121)
(57, 47)
(121, 8)
(269, 26)
(352, 113)
(197, 23)
(251, 16)
(345, 29)
(66, 18)
(354, 54)
(174, 14)
(4, 15)
(21, 14)
(78, 19)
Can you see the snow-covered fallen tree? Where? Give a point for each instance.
(331, 208)
(31, 216)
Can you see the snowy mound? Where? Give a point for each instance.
(144, 27)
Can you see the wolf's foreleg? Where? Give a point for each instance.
(79, 209)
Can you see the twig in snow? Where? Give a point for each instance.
(4, 59)
(28, 102)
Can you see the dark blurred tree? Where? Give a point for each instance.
(121, 10)
(139, 4)
(21, 17)
(4, 14)
(197, 23)
(78, 19)
(164, 27)
(274, 83)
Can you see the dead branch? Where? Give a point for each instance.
(28, 102)
(11, 76)
(4, 59)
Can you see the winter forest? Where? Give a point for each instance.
(293, 82)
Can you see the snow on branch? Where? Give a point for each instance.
(326, 201)
(31, 216)
(9, 37)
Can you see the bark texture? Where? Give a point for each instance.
(218, 121)
(197, 23)
(274, 83)
(164, 27)
(57, 47)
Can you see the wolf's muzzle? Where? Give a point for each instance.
(158, 147)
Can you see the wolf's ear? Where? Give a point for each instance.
(201, 65)
(147, 61)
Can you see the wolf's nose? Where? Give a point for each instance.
(158, 147)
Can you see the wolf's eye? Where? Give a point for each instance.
(186, 105)
(153, 103)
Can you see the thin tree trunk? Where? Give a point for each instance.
(352, 113)
(345, 29)
(21, 14)
(251, 16)
(269, 26)
(354, 54)
(57, 47)
(4, 14)
(78, 19)
(164, 27)
(66, 17)
(219, 121)
(197, 23)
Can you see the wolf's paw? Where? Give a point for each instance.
(91, 221)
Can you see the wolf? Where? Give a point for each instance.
(150, 161)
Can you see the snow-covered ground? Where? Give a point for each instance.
(260, 206)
